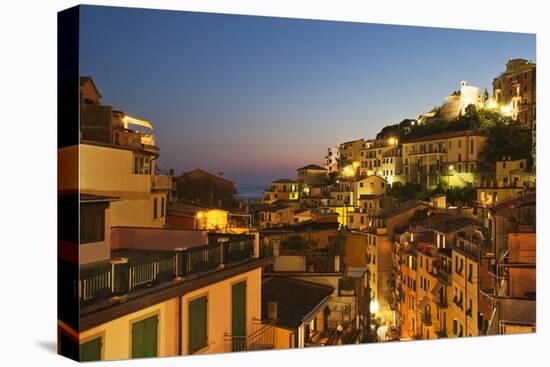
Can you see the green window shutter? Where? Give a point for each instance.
(238, 309)
(198, 323)
(91, 351)
(145, 338)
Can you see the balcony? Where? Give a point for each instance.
(138, 269)
(261, 338)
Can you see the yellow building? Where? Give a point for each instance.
(311, 175)
(425, 277)
(111, 170)
(466, 285)
(392, 166)
(451, 157)
(372, 154)
(282, 189)
(350, 156)
(370, 185)
(275, 216)
(172, 302)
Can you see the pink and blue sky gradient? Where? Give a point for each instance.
(258, 97)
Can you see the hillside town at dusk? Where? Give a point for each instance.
(426, 230)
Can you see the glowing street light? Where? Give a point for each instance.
(374, 306)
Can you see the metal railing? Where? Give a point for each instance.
(262, 337)
(122, 277)
(95, 283)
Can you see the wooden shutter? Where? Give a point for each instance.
(238, 309)
(91, 351)
(198, 324)
(144, 338)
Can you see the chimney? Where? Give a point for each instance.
(272, 311)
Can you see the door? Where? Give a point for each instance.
(144, 338)
(91, 350)
(238, 316)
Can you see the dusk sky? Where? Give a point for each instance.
(258, 97)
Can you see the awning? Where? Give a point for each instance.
(315, 311)
(134, 121)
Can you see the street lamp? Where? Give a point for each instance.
(374, 306)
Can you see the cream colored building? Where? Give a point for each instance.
(455, 105)
(282, 189)
(350, 157)
(451, 157)
(371, 156)
(123, 172)
(370, 185)
(331, 159)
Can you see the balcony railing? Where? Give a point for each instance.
(261, 338)
(121, 277)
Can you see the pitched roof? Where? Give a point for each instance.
(529, 199)
(185, 207)
(284, 180)
(312, 166)
(446, 135)
(199, 170)
(304, 226)
(296, 300)
(84, 79)
(452, 224)
(409, 205)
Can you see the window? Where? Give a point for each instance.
(162, 206)
(472, 146)
(91, 350)
(198, 324)
(155, 208)
(470, 273)
(144, 338)
(459, 157)
(455, 326)
(92, 223)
